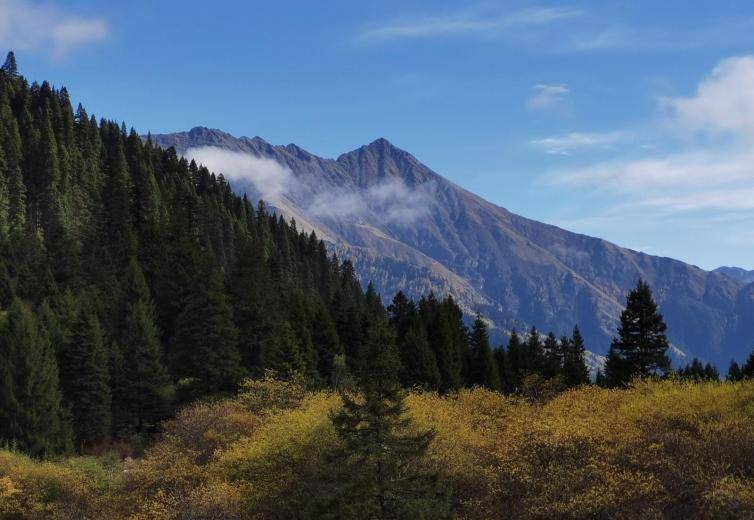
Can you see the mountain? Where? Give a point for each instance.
(406, 227)
(737, 273)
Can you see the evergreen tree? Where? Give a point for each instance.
(10, 67)
(482, 369)
(377, 475)
(418, 360)
(747, 370)
(30, 412)
(553, 357)
(205, 346)
(85, 381)
(641, 346)
(734, 372)
(575, 371)
(534, 354)
(140, 384)
(502, 360)
(516, 356)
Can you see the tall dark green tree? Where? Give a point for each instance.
(534, 353)
(205, 348)
(10, 67)
(30, 403)
(378, 474)
(640, 350)
(418, 360)
(86, 381)
(734, 372)
(139, 380)
(552, 365)
(575, 371)
(482, 369)
(516, 356)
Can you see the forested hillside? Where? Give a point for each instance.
(131, 279)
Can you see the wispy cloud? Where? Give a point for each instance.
(475, 21)
(569, 143)
(389, 202)
(549, 97)
(267, 176)
(30, 25)
(710, 171)
(723, 102)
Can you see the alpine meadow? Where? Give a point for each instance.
(197, 326)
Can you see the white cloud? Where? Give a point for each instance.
(568, 143)
(270, 178)
(389, 202)
(548, 97)
(709, 173)
(30, 25)
(723, 103)
(466, 22)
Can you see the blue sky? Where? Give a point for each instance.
(628, 120)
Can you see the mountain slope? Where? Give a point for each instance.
(737, 273)
(406, 227)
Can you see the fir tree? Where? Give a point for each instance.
(575, 371)
(85, 380)
(377, 475)
(10, 67)
(482, 369)
(747, 370)
(553, 357)
(139, 380)
(418, 360)
(640, 350)
(534, 353)
(734, 373)
(30, 412)
(205, 345)
(516, 357)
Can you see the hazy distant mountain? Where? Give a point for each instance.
(406, 227)
(737, 273)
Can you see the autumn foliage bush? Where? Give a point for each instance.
(656, 449)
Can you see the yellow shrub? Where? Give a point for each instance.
(655, 450)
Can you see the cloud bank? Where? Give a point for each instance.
(710, 171)
(29, 25)
(267, 176)
(389, 202)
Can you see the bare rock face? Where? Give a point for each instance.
(407, 228)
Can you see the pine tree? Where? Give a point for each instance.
(747, 370)
(10, 67)
(516, 356)
(575, 371)
(640, 350)
(553, 357)
(483, 370)
(30, 412)
(139, 379)
(376, 470)
(85, 381)
(534, 353)
(418, 360)
(205, 345)
(734, 372)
